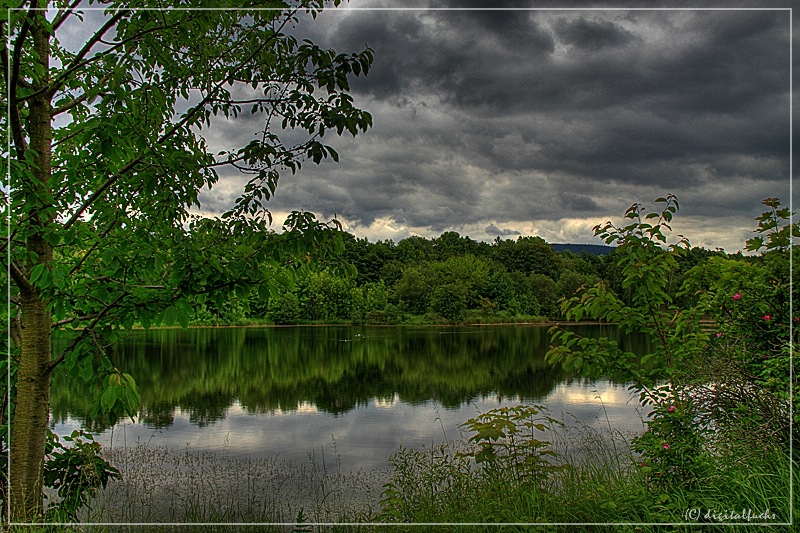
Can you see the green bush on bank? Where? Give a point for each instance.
(599, 485)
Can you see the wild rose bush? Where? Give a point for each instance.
(673, 449)
(748, 358)
(718, 377)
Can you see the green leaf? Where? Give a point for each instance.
(87, 369)
(36, 272)
(60, 275)
(108, 398)
(170, 316)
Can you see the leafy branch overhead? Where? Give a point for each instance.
(110, 153)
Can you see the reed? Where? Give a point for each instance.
(162, 487)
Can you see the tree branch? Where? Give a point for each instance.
(69, 136)
(13, 81)
(17, 55)
(75, 101)
(248, 101)
(78, 61)
(85, 333)
(19, 277)
(187, 117)
(66, 321)
(102, 189)
(94, 246)
(64, 14)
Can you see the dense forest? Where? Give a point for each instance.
(447, 279)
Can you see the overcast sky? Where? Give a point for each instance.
(536, 122)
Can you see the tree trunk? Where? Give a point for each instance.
(32, 411)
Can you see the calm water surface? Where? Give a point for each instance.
(355, 392)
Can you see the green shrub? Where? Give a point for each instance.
(712, 396)
(377, 318)
(506, 446)
(75, 472)
(284, 309)
(450, 301)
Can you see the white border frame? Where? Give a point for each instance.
(390, 524)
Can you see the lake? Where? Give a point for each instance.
(357, 392)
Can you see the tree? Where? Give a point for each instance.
(545, 292)
(414, 249)
(451, 244)
(530, 255)
(512, 292)
(414, 288)
(450, 301)
(107, 157)
(570, 282)
(468, 271)
(369, 259)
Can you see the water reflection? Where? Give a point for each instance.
(285, 391)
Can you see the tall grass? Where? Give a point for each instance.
(162, 486)
(601, 483)
(593, 482)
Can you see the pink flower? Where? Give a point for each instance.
(719, 335)
(671, 408)
(737, 296)
(767, 318)
(665, 446)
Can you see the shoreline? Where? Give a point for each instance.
(549, 323)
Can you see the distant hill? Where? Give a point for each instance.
(594, 249)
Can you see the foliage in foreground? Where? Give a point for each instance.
(599, 486)
(716, 446)
(75, 471)
(108, 154)
(708, 386)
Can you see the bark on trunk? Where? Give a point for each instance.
(29, 429)
(32, 411)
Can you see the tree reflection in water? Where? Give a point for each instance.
(208, 374)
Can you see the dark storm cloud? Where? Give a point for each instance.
(518, 119)
(453, 55)
(578, 202)
(491, 229)
(592, 36)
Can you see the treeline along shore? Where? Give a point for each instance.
(450, 279)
